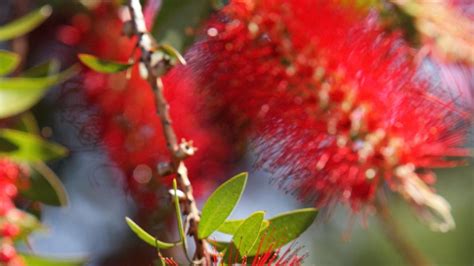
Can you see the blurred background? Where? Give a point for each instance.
(92, 225)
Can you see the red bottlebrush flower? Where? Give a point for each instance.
(129, 125)
(268, 256)
(337, 103)
(9, 230)
(9, 173)
(7, 252)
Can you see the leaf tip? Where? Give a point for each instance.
(83, 57)
(46, 11)
(243, 175)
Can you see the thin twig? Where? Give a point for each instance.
(178, 150)
(392, 231)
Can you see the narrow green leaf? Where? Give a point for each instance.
(28, 147)
(285, 228)
(42, 70)
(36, 260)
(248, 233)
(102, 65)
(143, 235)
(179, 219)
(178, 21)
(171, 51)
(20, 93)
(160, 261)
(27, 123)
(8, 62)
(230, 226)
(24, 24)
(220, 205)
(45, 186)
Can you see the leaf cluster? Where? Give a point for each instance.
(251, 236)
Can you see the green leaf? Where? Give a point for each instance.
(44, 69)
(285, 228)
(20, 93)
(248, 233)
(173, 53)
(179, 219)
(230, 226)
(28, 147)
(35, 260)
(245, 238)
(27, 123)
(220, 204)
(8, 62)
(24, 24)
(143, 235)
(45, 186)
(102, 65)
(177, 18)
(160, 261)
(178, 213)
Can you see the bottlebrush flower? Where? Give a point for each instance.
(337, 103)
(9, 173)
(127, 118)
(280, 257)
(445, 30)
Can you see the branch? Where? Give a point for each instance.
(392, 231)
(178, 151)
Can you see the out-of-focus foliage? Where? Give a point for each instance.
(178, 22)
(45, 186)
(22, 149)
(18, 94)
(9, 62)
(28, 147)
(24, 24)
(35, 260)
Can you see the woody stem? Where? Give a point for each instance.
(178, 151)
(392, 231)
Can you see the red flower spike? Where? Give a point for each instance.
(9, 230)
(9, 175)
(337, 103)
(7, 252)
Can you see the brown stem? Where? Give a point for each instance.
(393, 232)
(178, 151)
